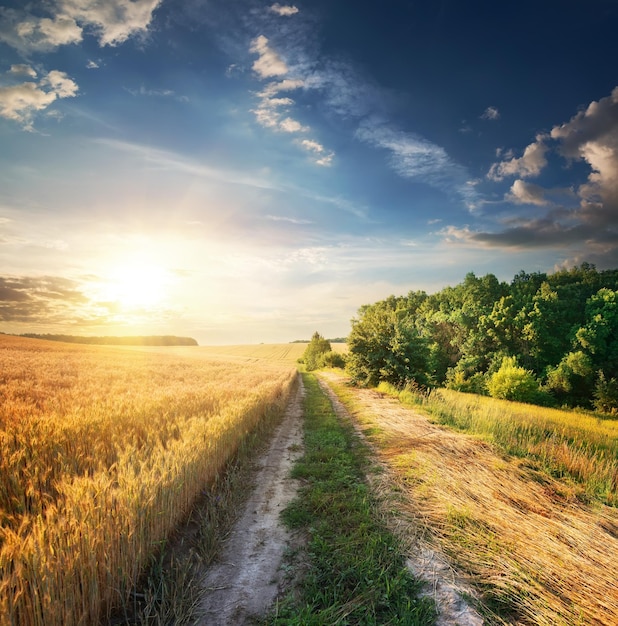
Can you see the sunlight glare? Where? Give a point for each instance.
(137, 285)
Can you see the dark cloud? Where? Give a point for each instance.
(589, 231)
(43, 299)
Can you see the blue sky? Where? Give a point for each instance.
(251, 172)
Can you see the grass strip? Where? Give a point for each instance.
(352, 568)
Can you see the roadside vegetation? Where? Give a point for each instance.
(103, 452)
(319, 353)
(548, 339)
(578, 448)
(525, 528)
(352, 568)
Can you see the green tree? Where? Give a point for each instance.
(512, 382)
(548, 329)
(317, 347)
(599, 336)
(384, 345)
(570, 382)
(606, 395)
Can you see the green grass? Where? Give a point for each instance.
(352, 568)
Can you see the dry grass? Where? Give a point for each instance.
(102, 452)
(579, 448)
(536, 552)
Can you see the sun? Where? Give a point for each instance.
(136, 285)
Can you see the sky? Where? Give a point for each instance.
(241, 171)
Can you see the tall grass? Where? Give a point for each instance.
(534, 552)
(575, 447)
(102, 453)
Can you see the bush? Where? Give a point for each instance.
(606, 395)
(512, 382)
(457, 380)
(331, 359)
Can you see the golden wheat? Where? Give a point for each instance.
(102, 452)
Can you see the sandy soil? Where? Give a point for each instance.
(247, 577)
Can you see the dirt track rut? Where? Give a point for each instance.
(246, 578)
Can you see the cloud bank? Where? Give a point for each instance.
(588, 230)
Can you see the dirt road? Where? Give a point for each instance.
(247, 577)
(245, 580)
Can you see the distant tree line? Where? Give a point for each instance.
(543, 338)
(152, 340)
(335, 340)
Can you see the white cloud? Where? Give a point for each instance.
(529, 164)
(27, 32)
(160, 93)
(587, 231)
(92, 65)
(23, 70)
(490, 113)
(114, 21)
(111, 21)
(415, 157)
(60, 84)
(269, 63)
(20, 102)
(311, 145)
(592, 136)
(287, 84)
(522, 192)
(325, 159)
(291, 220)
(282, 10)
(288, 125)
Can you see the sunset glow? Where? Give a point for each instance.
(252, 171)
(136, 286)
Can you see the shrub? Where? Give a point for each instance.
(512, 382)
(331, 359)
(457, 380)
(606, 395)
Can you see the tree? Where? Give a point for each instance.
(599, 336)
(548, 330)
(317, 347)
(570, 382)
(384, 345)
(512, 382)
(606, 395)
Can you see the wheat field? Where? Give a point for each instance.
(103, 451)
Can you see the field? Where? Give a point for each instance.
(284, 352)
(518, 502)
(103, 451)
